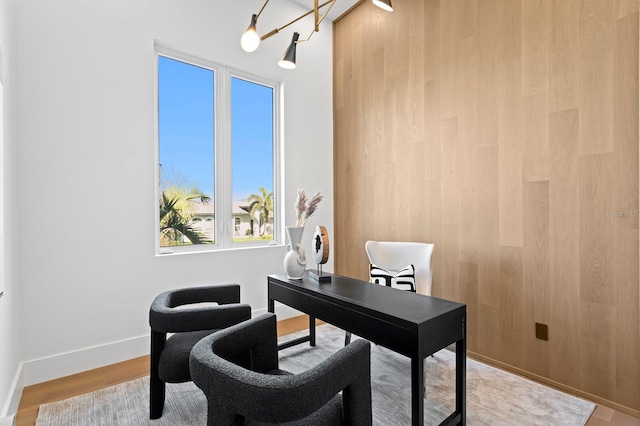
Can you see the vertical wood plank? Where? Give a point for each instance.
(563, 51)
(598, 346)
(512, 29)
(416, 74)
(449, 171)
(564, 242)
(536, 269)
(510, 153)
(490, 49)
(512, 322)
(597, 27)
(447, 287)
(535, 46)
(468, 276)
(434, 211)
(595, 75)
(432, 152)
(595, 99)
(467, 112)
(448, 60)
(489, 331)
(596, 229)
(433, 228)
(375, 182)
(468, 226)
(535, 138)
(487, 241)
(431, 42)
(466, 18)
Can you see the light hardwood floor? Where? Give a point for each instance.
(99, 378)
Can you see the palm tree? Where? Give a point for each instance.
(176, 212)
(261, 206)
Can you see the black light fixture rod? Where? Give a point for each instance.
(314, 10)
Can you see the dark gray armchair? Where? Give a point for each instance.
(177, 312)
(237, 369)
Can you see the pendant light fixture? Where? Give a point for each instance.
(250, 40)
(384, 5)
(288, 60)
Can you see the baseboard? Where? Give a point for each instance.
(61, 365)
(556, 385)
(8, 421)
(13, 399)
(282, 311)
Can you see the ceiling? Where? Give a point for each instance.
(340, 6)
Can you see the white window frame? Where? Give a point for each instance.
(224, 222)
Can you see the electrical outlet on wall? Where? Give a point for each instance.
(542, 331)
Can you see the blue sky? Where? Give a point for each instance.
(186, 129)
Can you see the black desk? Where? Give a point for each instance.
(411, 324)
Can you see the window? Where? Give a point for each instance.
(218, 145)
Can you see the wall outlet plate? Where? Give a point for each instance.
(542, 331)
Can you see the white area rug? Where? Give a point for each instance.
(494, 397)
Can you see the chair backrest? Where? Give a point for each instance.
(395, 255)
(262, 393)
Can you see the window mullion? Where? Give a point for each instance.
(223, 161)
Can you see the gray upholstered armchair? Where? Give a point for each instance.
(237, 368)
(185, 313)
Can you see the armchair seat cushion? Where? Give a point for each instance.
(174, 359)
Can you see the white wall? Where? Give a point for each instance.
(87, 266)
(10, 302)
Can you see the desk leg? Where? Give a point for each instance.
(417, 389)
(271, 306)
(312, 330)
(461, 380)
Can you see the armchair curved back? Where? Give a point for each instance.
(237, 369)
(190, 314)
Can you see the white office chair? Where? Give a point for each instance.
(395, 256)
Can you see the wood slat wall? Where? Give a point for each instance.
(505, 132)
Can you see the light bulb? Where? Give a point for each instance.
(286, 64)
(384, 5)
(250, 39)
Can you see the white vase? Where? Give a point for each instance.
(295, 261)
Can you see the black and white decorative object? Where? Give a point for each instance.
(320, 253)
(404, 279)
